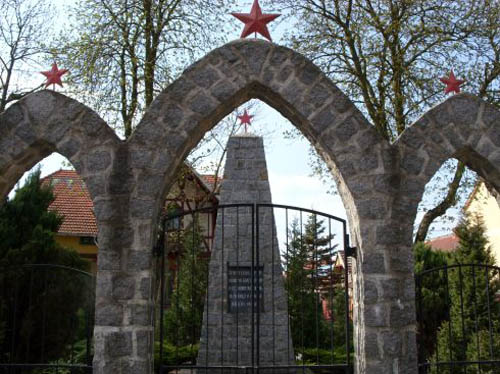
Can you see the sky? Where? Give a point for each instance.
(289, 172)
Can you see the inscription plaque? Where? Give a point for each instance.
(239, 288)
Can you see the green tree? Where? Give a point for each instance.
(189, 276)
(122, 53)
(308, 261)
(39, 305)
(431, 293)
(387, 56)
(472, 311)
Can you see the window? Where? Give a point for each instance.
(87, 240)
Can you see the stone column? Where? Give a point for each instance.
(123, 332)
(229, 321)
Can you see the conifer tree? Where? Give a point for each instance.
(430, 287)
(308, 260)
(38, 305)
(183, 319)
(472, 329)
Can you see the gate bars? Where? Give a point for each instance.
(46, 319)
(314, 271)
(458, 314)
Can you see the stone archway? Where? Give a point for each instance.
(363, 163)
(380, 184)
(462, 127)
(47, 122)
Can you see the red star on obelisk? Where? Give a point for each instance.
(54, 75)
(452, 84)
(255, 21)
(245, 119)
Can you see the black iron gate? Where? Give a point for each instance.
(253, 287)
(458, 313)
(46, 320)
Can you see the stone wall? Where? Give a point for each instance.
(380, 184)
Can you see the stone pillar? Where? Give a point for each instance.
(123, 332)
(229, 322)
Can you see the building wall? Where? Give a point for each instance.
(486, 206)
(86, 251)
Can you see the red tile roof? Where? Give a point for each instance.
(72, 200)
(446, 243)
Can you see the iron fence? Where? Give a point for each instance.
(458, 313)
(46, 320)
(271, 294)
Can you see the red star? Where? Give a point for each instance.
(245, 119)
(54, 75)
(452, 84)
(255, 21)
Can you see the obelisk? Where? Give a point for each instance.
(245, 325)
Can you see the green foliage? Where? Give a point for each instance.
(45, 300)
(387, 56)
(308, 264)
(175, 355)
(469, 306)
(183, 319)
(125, 52)
(431, 299)
(481, 348)
(315, 356)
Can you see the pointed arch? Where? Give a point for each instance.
(462, 127)
(47, 122)
(245, 69)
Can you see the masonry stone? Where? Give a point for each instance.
(140, 170)
(227, 323)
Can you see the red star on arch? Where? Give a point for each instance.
(245, 119)
(54, 75)
(452, 84)
(255, 21)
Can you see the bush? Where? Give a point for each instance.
(175, 356)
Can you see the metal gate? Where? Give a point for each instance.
(458, 314)
(253, 288)
(46, 320)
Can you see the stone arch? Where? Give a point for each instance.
(364, 164)
(46, 122)
(245, 69)
(462, 127)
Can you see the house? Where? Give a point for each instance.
(481, 203)
(79, 227)
(339, 265)
(72, 200)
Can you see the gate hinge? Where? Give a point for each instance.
(350, 252)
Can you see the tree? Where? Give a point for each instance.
(24, 27)
(307, 263)
(387, 55)
(124, 52)
(189, 276)
(32, 313)
(472, 314)
(431, 296)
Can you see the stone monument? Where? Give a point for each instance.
(246, 253)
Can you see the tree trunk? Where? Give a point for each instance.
(442, 207)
